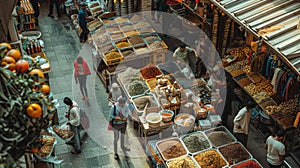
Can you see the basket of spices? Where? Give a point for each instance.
(219, 136)
(182, 162)
(235, 153)
(171, 148)
(210, 158)
(195, 142)
(251, 163)
(112, 58)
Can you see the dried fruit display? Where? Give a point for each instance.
(171, 149)
(63, 133)
(248, 164)
(210, 159)
(252, 89)
(150, 71)
(236, 66)
(219, 137)
(247, 69)
(265, 86)
(46, 149)
(237, 73)
(261, 97)
(195, 142)
(234, 153)
(288, 108)
(183, 162)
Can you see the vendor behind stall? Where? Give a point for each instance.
(182, 52)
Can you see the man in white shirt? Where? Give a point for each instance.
(182, 52)
(275, 149)
(241, 123)
(74, 122)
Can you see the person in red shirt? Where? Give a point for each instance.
(81, 71)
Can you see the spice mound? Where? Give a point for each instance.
(134, 40)
(185, 162)
(129, 75)
(150, 71)
(171, 149)
(131, 33)
(122, 45)
(234, 153)
(195, 142)
(248, 164)
(219, 138)
(137, 87)
(210, 159)
(112, 55)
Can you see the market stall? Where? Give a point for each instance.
(265, 70)
(196, 148)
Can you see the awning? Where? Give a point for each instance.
(275, 20)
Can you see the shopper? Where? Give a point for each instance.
(36, 7)
(163, 6)
(81, 71)
(82, 20)
(114, 94)
(119, 114)
(275, 149)
(57, 7)
(182, 52)
(241, 123)
(73, 117)
(155, 6)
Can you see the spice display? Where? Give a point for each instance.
(156, 45)
(136, 87)
(122, 45)
(252, 89)
(247, 164)
(141, 25)
(115, 36)
(146, 30)
(136, 18)
(112, 55)
(127, 53)
(237, 73)
(241, 53)
(184, 119)
(236, 66)
(108, 22)
(171, 149)
(112, 29)
(106, 48)
(141, 102)
(135, 40)
(129, 75)
(63, 133)
(234, 153)
(195, 142)
(150, 71)
(219, 138)
(152, 83)
(244, 81)
(141, 51)
(131, 33)
(120, 20)
(101, 39)
(127, 28)
(261, 97)
(98, 33)
(151, 39)
(210, 159)
(183, 162)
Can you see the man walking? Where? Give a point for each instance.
(119, 114)
(241, 123)
(275, 149)
(73, 116)
(57, 6)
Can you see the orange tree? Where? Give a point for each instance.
(24, 111)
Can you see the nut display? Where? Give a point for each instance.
(195, 142)
(261, 97)
(265, 86)
(247, 69)
(210, 159)
(257, 78)
(252, 89)
(63, 133)
(171, 149)
(237, 73)
(244, 81)
(247, 164)
(234, 153)
(46, 149)
(288, 108)
(185, 162)
(236, 66)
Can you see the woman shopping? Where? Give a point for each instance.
(81, 71)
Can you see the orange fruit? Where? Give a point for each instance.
(39, 72)
(45, 89)
(7, 45)
(34, 150)
(16, 54)
(8, 60)
(34, 110)
(22, 66)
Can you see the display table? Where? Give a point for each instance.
(144, 130)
